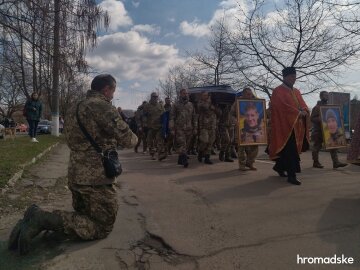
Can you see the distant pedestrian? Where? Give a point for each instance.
(61, 124)
(354, 150)
(33, 111)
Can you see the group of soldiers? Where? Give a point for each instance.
(191, 129)
(199, 128)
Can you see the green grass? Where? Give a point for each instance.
(14, 153)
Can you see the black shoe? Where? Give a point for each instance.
(318, 165)
(199, 157)
(293, 180)
(339, 165)
(280, 173)
(185, 161)
(207, 160)
(222, 156)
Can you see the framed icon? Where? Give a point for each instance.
(332, 127)
(251, 120)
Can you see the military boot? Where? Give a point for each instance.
(207, 160)
(336, 162)
(200, 156)
(317, 164)
(315, 157)
(180, 160)
(185, 161)
(251, 166)
(222, 156)
(14, 236)
(233, 153)
(227, 157)
(38, 221)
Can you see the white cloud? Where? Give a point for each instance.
(172, 19)
(194, 28)
(135, 85)
(117, 12)
(131, 56)
(147, 28)
(229, 10)
(135, 4)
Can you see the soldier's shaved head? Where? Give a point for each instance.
(101, 81)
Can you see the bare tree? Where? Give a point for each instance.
(301, 33)
(213, 64)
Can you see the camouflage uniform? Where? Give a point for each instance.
(170, 137)
(317, 138)
(183, 122)
(93, 194)
(142, 129)
(152, 117)
(207, 126)
(246, 154)
(226, 134)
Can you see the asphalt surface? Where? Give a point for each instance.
(217, 217)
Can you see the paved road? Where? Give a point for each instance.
(216, 217)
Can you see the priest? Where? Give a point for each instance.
(289, 127)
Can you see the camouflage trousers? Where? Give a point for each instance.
(141, 138)
(317, 146)
(247, 154)
(226, 138)
(156, 143)
(206, 140)
(183, 139)
(169, 143)
(95, 211)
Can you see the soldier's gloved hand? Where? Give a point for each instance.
(134, 140)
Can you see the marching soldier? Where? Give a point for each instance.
(183, 125)
(141, 128)
(316, 134)
(248, 153)
(225, 134)
(152, 116)
(207, 127)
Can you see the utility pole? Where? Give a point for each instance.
(56, 69)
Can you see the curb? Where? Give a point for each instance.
(12, 181)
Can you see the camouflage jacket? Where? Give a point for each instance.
(225, 119)
(152, 114)
(104, 124)
(139, 117)
(207, 115)
(315, 119)
(183, 117)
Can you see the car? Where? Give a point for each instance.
(44, 127)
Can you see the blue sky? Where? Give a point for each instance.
(147, 37)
